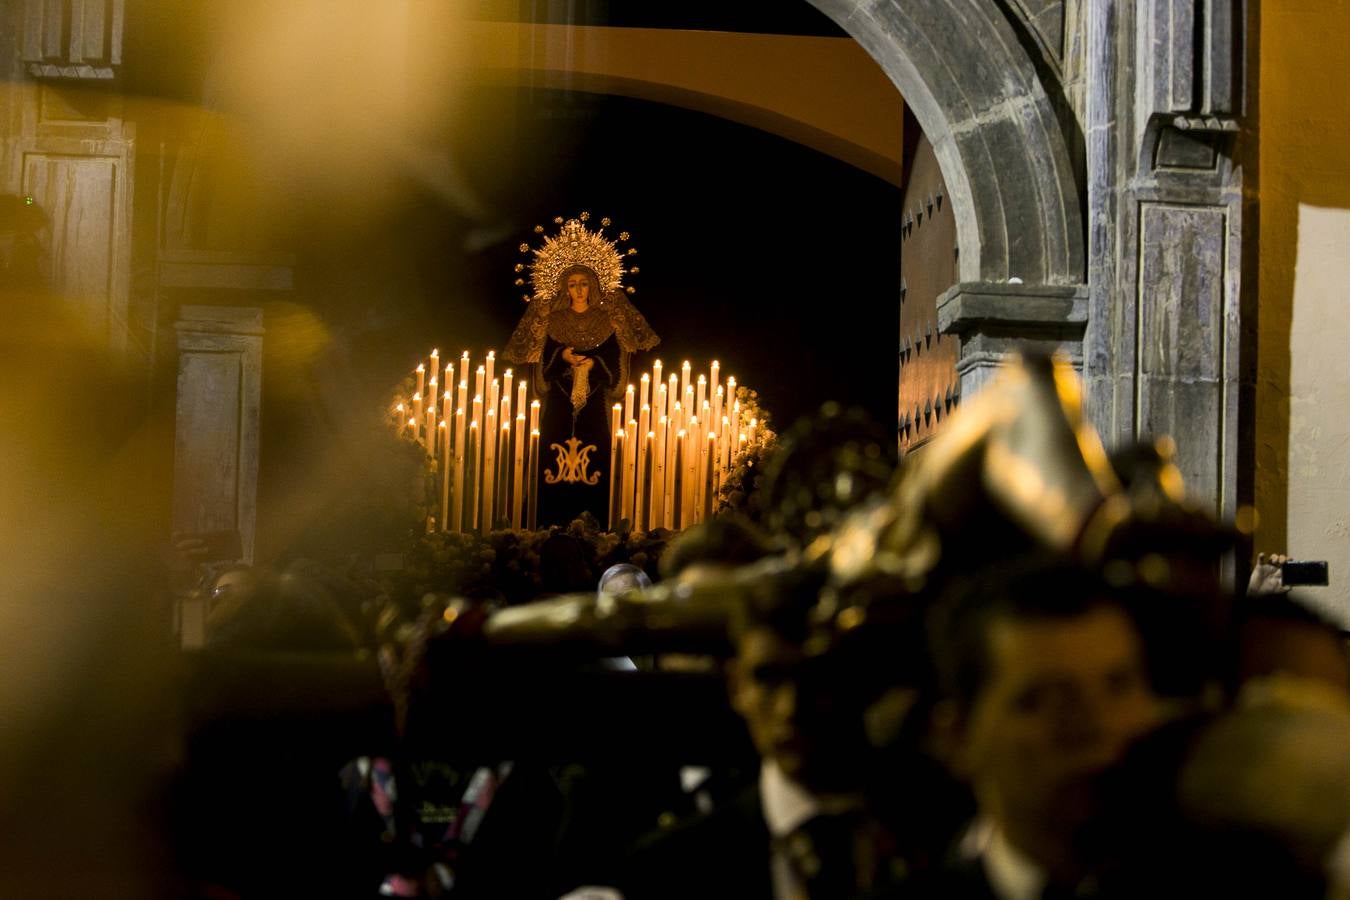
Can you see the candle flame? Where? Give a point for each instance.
(421, 368)
(417, 396)
(534, 433)
(492, 354)
(534, 404)
(646, 377)
(680, 434)
(460, 411)
(702, 380)
(412, 421)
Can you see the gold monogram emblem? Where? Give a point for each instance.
(573, 461)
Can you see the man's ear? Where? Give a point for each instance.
(735, 680)
(947, 737)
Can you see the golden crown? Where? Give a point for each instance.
(576, 245)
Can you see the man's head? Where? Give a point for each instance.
(803, 711)
(1045, 683)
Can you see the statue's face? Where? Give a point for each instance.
(579, 288)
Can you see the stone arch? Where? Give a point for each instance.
(974, 90)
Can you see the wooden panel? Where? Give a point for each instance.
(81, 197)
(217, 425)
(206, 461)
(928, 266)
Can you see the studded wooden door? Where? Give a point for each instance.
(929, 387)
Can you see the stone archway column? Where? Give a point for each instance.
(995, 320)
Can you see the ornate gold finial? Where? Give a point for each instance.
(577, 245)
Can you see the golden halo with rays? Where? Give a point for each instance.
(576, 245)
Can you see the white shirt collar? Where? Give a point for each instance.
(1012, 876)
(786, 803)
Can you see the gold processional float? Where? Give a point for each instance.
(674, 437)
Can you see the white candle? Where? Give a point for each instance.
(644, 394)
(457, 516)
(417, 415)
(520, 397)
(434, 372)
(462, 399)
(533, 489)
(656, 373)
(445, 476)
(431, 430)
(491, 365)
(518, 483)
(659, 409)
(488, 496)
(717, 405)
(534, 416)
(479, 384)
(507, 380)
(675, 483)
(616, 467)
(709, 457)
(412, 427)
(642, 513)
(471, 495)
(684, 377)
(447, 400)
(658, 515)
(421, 379)
(503, 471)
(644, 421)
(630, 441)
(714, 371)
(702, 394)
(628, 406)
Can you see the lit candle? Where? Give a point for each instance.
(702, 396)
(616, 468)
(412, 427)
(520, 397)
(628, 406)
(503, 470)
(431, 431)
(658, 515)
(518, 482)
(462, 399)
(656, 373)
(709, 458)
(725, 450)
(643, 512)
(630, 472)
(471, 475)
(660, 409)
(534, 478)
(684, 377)
(480, 385)
(417, 414)
(689, 497)
(487, 495)
(735, 424)
(675, 485)
(434, 371)
(447, 401)
(504, 460)
(432, 393)
(713, 372)
(421, 378)
(445, 476)
(400, 414)
(494, 397)
(491, 365)
(458, 515)
(717, 404)
(644, 422)
(753, 424)
(644, 394)
(534, 418)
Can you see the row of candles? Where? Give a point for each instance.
(488, 462)
(672, 444)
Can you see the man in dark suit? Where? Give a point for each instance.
(1045, 689)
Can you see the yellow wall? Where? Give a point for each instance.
(1303, 360)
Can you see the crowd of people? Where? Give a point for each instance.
(1015, 667)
